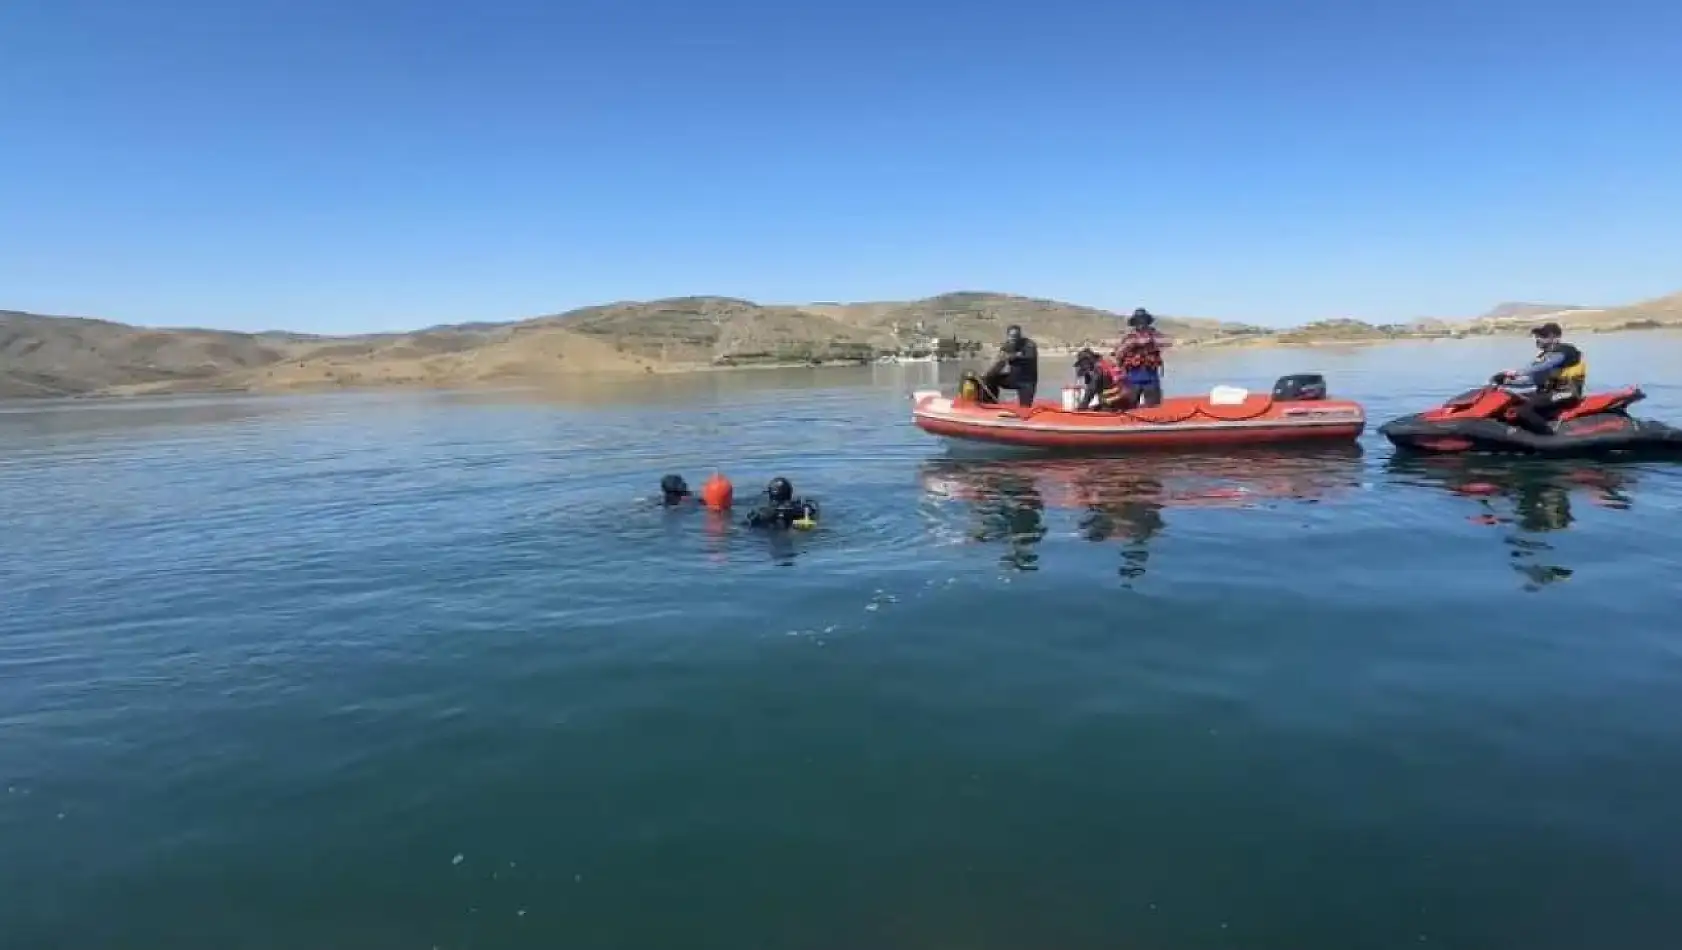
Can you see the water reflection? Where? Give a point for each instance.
(1531, 498)
(1124, 499)
(1011, 509)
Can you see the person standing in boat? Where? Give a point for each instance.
(1139, 354)
(1559, 375)
(1018, 367)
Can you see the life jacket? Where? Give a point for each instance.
(1571, 377)
(1110, 387)
(1139, 350)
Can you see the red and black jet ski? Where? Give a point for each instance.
(1483, 420)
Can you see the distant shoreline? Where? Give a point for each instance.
(224, 387)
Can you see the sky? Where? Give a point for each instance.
(366, 165)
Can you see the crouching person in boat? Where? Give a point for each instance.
(1559, 374)
(1018, 368)
(1101, 379)
(1139, 354)
(782, 510)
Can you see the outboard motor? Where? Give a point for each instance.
(1300, 387)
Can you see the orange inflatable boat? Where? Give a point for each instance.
(1296, 411)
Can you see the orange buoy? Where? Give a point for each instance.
(718, 494)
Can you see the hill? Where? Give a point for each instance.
(66, 356)
(705, 329)
(1527, 311)
(725, 329)
(521, 353)
(983, 317)
(69, 356)
(1343, 331)
(57, 356)
(1656, 313)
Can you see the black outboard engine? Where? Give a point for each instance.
(1301, 387)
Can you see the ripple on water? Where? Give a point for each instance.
(279, 662)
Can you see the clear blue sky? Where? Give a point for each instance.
(376, 164)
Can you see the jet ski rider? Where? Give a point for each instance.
(1559, 374)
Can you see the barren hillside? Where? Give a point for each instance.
(702, 329)
(57, 356)
(975, 315)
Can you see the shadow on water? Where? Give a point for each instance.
(1125, 500)
(1530, 498)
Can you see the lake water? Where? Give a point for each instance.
(417, 671)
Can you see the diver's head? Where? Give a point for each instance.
(1013, 334)
(1141, 318)
(780, 490)
(1547, 336)
(1086, 358)
(674, 488)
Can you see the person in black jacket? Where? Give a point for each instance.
(1018, 367)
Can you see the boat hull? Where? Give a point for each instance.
(1601, 434)
(1179, 423)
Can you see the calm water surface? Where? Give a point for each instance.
(416, 671)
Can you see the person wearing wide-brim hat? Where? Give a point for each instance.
(1139, 354)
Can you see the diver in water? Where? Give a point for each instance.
(674, 491)
(716, 493)
(782, 509)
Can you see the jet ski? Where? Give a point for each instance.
(1483, 420)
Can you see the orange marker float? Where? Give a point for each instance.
(718, 494)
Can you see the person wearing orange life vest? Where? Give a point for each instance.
(1102, 379)
(1139, 355)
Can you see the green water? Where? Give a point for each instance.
(415, 671)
